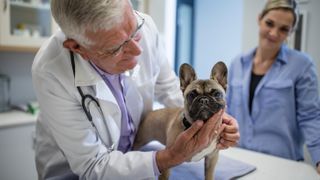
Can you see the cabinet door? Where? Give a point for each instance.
(25, 23)
(16, 152)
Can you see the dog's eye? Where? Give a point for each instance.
(192, 95)
(218, 95)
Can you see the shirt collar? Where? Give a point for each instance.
(103, 73)
(281, 57)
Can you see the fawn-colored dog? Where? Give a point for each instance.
(202, 99)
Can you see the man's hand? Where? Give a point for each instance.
(318, 168)
(230, 134)
(189, 142)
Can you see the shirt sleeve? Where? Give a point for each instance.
(155, 166)
(308, 110)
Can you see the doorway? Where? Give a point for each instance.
(184, 33)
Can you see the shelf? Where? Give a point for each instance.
(25, 25)
(14, 118)
(19, 49)
(31, 5)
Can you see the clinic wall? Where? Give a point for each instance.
(17, 66)
(218, 30)
(251, 10)
(163, 12)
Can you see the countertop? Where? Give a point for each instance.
(271, 167)
(15, 117)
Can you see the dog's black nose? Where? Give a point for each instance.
(204, 100)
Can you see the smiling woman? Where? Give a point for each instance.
(278, 103)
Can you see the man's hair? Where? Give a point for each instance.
(290, 5)
(76, 17)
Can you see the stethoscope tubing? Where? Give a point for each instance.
(84, 97)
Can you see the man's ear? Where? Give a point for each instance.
(75, 47)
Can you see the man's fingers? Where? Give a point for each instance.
(221, 128)
(232, 125)
(229, 140)
(193, 130)
(221, 146)
(227, 143)
(230, 136)
(212, 126)
(231, 129)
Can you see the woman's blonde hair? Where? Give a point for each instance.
(290, 5)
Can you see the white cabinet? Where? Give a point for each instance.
(16, 146)
(25, 23)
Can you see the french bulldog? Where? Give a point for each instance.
(202, 99)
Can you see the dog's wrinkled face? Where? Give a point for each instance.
(203, 98)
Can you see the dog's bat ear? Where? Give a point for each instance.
(187, 75)
(219, 72)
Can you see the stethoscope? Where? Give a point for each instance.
(86, 99)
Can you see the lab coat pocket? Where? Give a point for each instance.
(277, 94)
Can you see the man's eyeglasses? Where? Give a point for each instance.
(134, 36)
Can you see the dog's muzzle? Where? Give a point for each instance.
(203, 107)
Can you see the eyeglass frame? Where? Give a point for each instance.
(116, 51)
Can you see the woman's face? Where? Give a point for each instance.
(274, 28)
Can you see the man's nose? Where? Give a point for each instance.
(133, 47)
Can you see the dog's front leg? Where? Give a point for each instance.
(165, 175)
(209, 165)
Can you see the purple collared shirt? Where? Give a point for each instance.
(127, 128)
(113, 81)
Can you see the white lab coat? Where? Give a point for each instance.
(66, 143)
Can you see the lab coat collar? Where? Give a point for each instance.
(133, 73)
(86, 75)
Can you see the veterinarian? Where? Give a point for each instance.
(94, 80)
(273, 90)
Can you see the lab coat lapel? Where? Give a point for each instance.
(134, 100)
(111, 110)
(86, 75)
(109, 125)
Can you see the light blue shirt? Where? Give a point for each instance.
(285, 107)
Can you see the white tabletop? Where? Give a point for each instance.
(271, 167)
